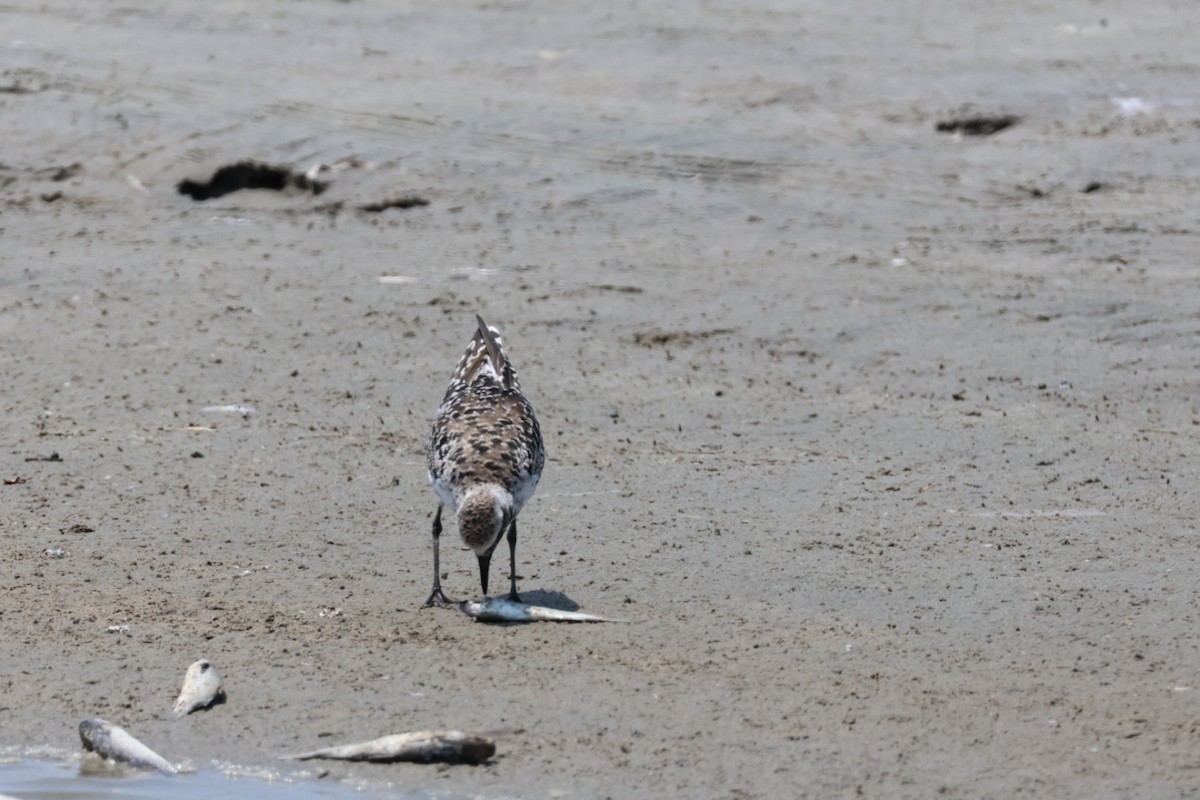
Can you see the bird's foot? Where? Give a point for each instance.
(438, 598)
(514, 597)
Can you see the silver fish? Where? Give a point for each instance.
(113, 742)
(202, 686)
(422, 746)
(501, 609)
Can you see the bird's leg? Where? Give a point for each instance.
(512, 561)
(437, 596)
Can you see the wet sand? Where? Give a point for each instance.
(884, 437)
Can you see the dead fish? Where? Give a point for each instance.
(422, 746)
(202, 686)
(113, 742)
(501, 609)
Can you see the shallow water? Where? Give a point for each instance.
(69, 778)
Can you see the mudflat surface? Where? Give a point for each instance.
(883, 437)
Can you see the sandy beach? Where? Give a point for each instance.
(882, 437)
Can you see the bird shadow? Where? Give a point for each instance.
(549, 599)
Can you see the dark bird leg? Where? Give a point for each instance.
(437, 596)
(512, 561)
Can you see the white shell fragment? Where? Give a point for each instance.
(245, 411)
(501, 609)
(202, 686)
(113, 742)
(422, 746)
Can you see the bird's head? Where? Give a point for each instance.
(483, 516)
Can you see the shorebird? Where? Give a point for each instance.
(485, 455)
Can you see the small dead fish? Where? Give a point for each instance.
(113, 742)
(501, 609)
(422, 746)
(202, 686)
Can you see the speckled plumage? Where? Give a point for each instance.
(485, 454)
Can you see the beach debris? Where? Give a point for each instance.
(350, 162)
(56, 552)
(421, 746)
(250, 175)
(116, 744)
(125, 628)
(501, 609)
(245, 411)
(202, 687)
(405, 202)
(981, 125)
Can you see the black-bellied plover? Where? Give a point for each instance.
(485, 455)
